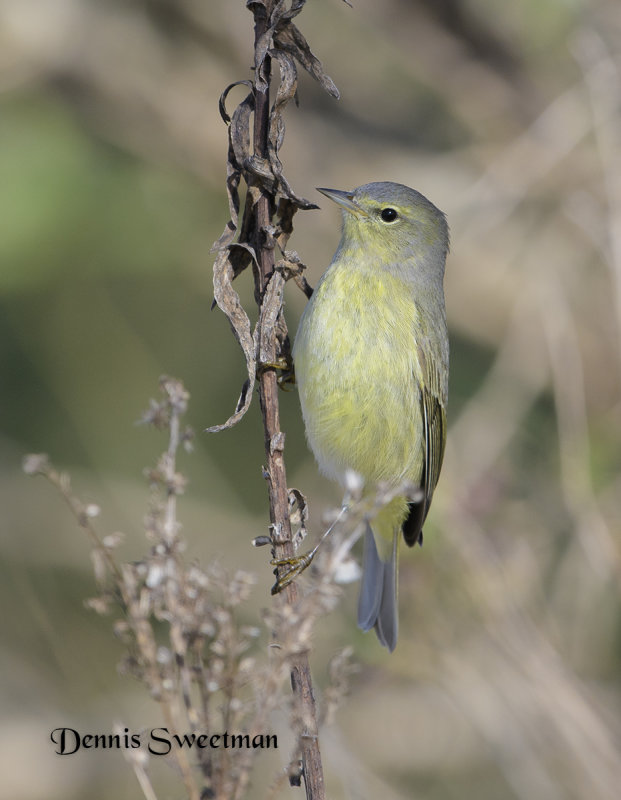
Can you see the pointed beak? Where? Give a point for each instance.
(345, 200)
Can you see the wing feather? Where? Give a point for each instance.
(434, 439)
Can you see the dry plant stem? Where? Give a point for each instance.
(301, 680)
(145, 783)
(143, 630)
(170, 524)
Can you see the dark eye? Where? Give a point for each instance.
(389, 214)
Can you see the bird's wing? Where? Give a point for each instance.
(434, 438)
(434, 417)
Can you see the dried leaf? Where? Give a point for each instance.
(224, 95)
(264, 43)
(271, 310)
(286, 92)
(293, 268)
(228, 301)
(283, 43)
(261, 168)
(298, 514)
(286, 212)
(261, 50)
(239, 131)
(239, 148)
(288, 80)
(290, 39)
(296, 7)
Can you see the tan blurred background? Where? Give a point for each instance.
(506, 682)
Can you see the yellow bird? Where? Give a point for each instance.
(371, 362)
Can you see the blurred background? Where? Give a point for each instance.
(507, 679)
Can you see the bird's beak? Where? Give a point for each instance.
(344, 200)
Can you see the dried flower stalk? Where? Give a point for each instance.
(254, 157)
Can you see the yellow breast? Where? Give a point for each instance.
(358, 375)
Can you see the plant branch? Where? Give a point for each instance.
(301, 679)
(270, 205)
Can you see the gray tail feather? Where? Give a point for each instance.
(377, 604)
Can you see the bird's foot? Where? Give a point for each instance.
(283, 366)
(291, 568)
(295, 565)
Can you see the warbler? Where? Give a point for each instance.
(371, 360)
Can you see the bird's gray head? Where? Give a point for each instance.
(394, 227)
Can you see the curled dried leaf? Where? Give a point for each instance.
(286, 212)
(298, 514)
(224, 95)
(239, 131)
(292, 267)
(286, 92)
(261, 49)
(283, 43)
(271, 311)
(290, 39)
(228, 301)
(294, 10)
(261, 168)
(233, 179)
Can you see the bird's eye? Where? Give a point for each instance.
(388, 214)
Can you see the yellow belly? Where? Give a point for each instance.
(358, 376)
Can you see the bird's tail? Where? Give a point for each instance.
(377, 604)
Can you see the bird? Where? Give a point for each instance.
(371, 358)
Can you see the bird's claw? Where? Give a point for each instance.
(296, 565)
(284, 367)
